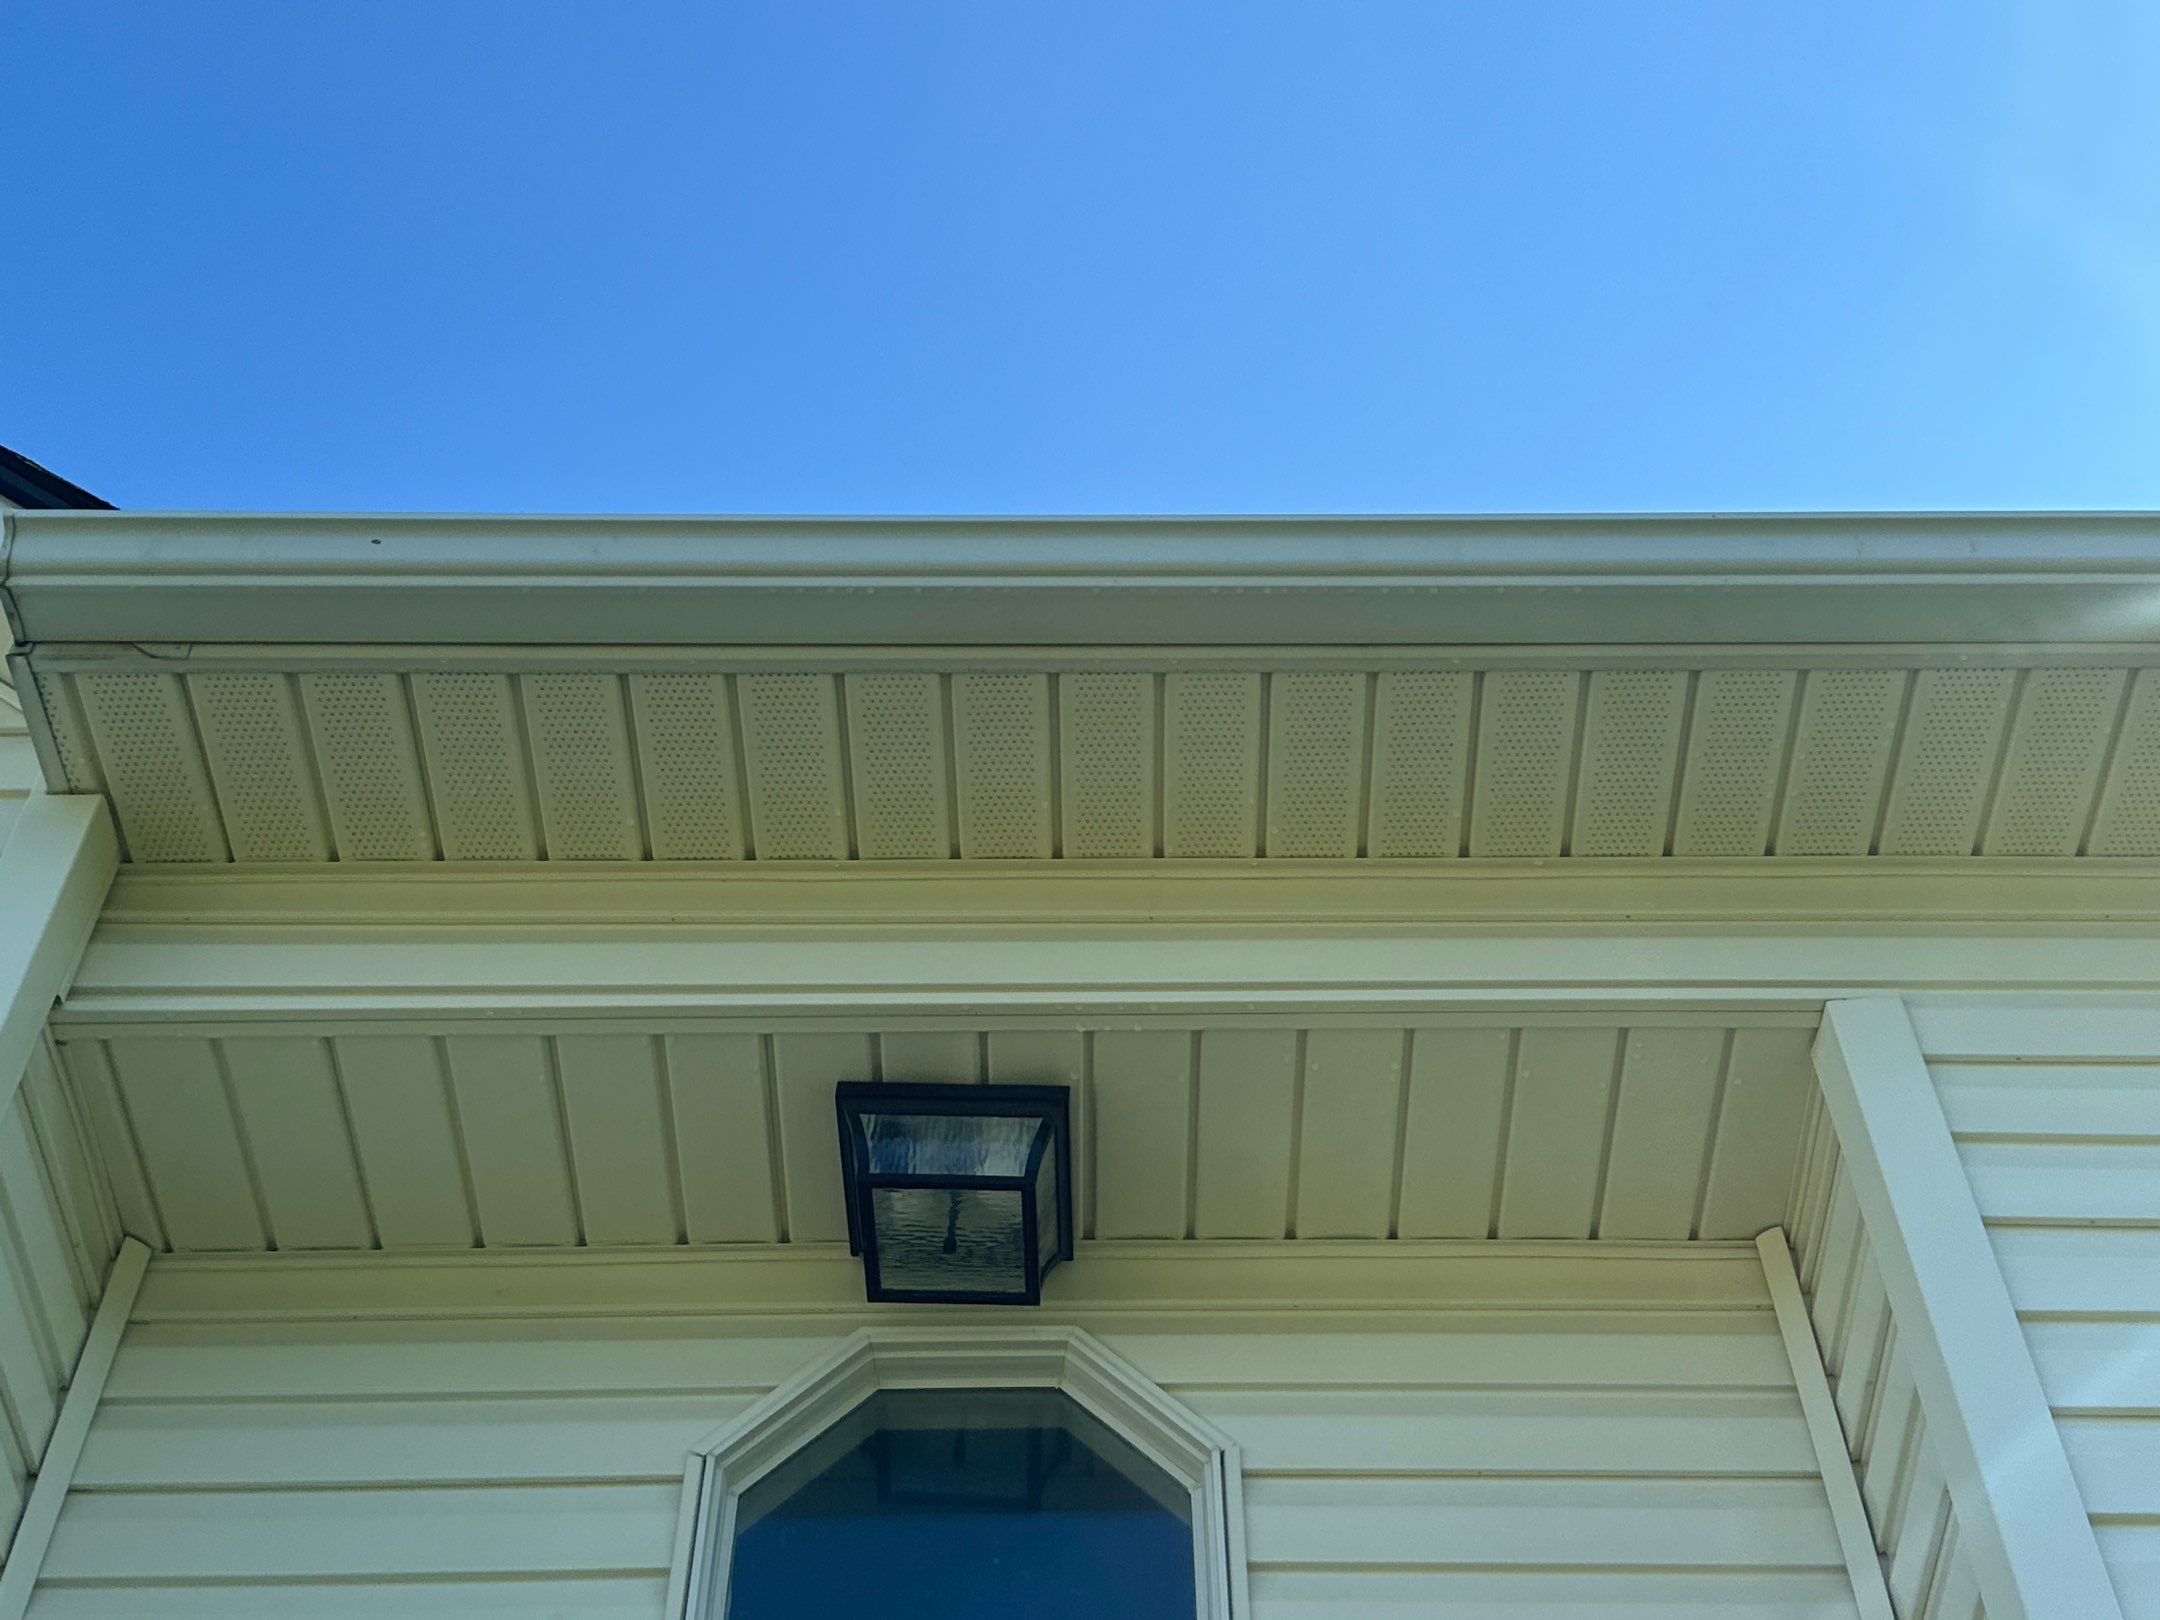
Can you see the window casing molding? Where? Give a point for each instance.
(731, 1459)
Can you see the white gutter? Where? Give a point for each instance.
(1706, 580)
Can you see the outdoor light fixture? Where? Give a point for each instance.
(957, 1195)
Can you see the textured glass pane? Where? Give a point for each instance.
(949, 1144)
(964, 1505)
(1046, 1211)
(965, 1241)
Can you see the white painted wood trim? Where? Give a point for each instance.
(1871, 1595)
(2018, 1505)
(58, 862)
(1647, 891)
(1185, 1446)
(327, 946)
(1307, 1275)
(147, 576)
(56, 1473)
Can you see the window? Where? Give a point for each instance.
(949, 1504)
(956, 1474)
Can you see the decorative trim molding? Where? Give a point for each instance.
(56, 1473)
(2032, 1544)
(732, 1459)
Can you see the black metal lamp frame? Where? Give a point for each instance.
(853, 1098)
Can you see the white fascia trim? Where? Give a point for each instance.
(777, 944)
(1983, 579)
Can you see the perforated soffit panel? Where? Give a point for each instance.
(672, 762)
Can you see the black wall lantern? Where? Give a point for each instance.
(957, 1195)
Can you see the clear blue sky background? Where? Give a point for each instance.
(1077, 257)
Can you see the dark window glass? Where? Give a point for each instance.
(964, 1505)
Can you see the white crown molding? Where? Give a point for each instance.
(1186, 1447)
(1711, 579)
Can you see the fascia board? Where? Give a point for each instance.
(1641, 893)
(1641, 580)
(693, 980)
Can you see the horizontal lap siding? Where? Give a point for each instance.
(58, 1235)
(2056, 1113)
(1553, 1461)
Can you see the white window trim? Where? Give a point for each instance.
(731, 1459)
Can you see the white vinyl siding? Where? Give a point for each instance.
(2055, 1108)
(1435, 1434)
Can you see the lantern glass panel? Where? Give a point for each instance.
(950, 1144)
(967, 1240)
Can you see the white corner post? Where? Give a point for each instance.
(57, 863)
(2017, 1504)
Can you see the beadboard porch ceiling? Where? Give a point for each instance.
(1664, 1127)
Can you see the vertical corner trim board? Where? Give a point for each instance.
(41, 1514)
(2032, 1545)
(1848, 1513)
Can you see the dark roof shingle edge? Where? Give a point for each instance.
(37, 488)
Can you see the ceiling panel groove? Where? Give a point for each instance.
(1999, 762)
(1897, 751)
(768, 1077)
(1680, 761)
(1363, 842)
(243, 1138)
(1503, 1139)
(1721, 1088)
(1054, 744)
(351, 1142)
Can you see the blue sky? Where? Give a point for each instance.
(516, 255)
